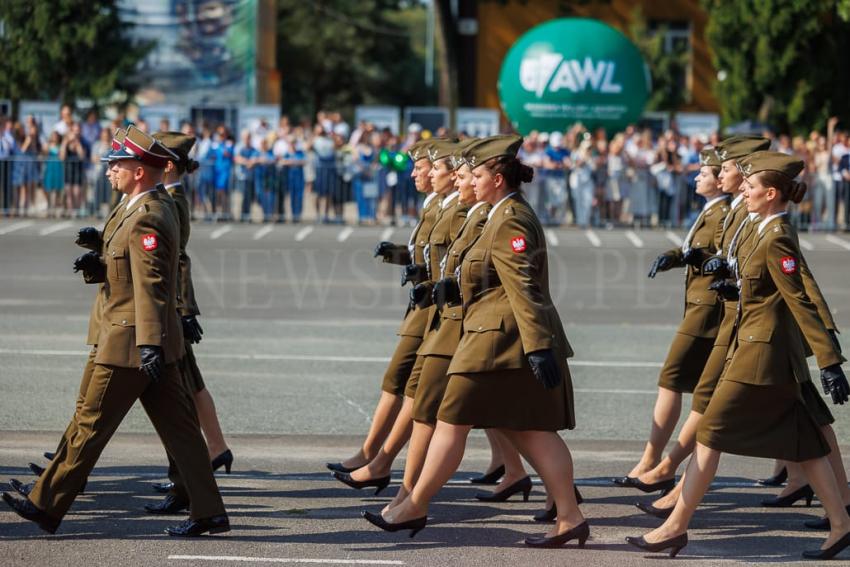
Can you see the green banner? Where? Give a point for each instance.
(573, 70)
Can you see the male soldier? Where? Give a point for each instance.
(139, 342)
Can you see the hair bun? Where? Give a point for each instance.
(192, 166)
(526, 173)
(798, 191)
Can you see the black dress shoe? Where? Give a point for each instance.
(775, 480)
(339, 467)
(171, 505)
(491, 477)
(378, 483)
(804, 492)
(830, 551)
(163, 487)
(821, 523)
(674, 544)
(581, 532)
(27, 510)
(20, 487)
(625, 481)
(663, 485)
(49, 456)
(415, 525)
(522, 485)
(35, 469)
(662, 513)
(551, 513)
(224, 460)
(194, 528)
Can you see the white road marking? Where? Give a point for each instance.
(593, 238)
(263, 231)
(634, 239)
(551, 237)
(388, 232)
(838, 241)
(806, 244)
(244, 559)
(303, 233)
(344, 234)
(55, 228)
(672, 237)
(15, 226)
(219, 232)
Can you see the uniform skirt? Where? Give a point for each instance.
(815, 404)
(770, 422)
(412, 385)
(685, 362)
(190, 372)
(401, 364)
(711, 374)
(508, 399)
(433, 381)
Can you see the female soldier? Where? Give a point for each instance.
(450, 217)
(758, 406)
(510, 368)
(413, 325)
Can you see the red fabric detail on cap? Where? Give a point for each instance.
(788, 264)
(116, 145)
(149, 242)
(145, 156)
(518, 244)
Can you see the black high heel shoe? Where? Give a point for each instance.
(821, 523)
(522, 485)
(662, 513)
(663, 485)
(775, 480)
(674, 544)
(624, 481)
(581, 532)
(415, 526)
(551, 513)
(830, 551)
(224, 460)
(491, 477)
(378, 483)
(789, 499)
(339, 467)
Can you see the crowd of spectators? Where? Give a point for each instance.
(269, 172)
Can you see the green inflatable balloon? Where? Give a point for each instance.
(400, 161)
(573, 70)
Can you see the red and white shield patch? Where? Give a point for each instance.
(789, 265)
(518, 244)
(149, 242)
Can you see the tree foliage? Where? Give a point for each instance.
(334, 54)
(667, 68)
(65, 49)
(781, 61)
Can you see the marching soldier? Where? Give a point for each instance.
(139, 343)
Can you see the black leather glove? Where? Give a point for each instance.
(415, 273)
(88, 262)
(694, 257)
(545, 367)
(192, 330)
(151, 361)
(833, 334)
(420, 294)
(384, 249)
(835, 383)
(445, 291)
(726, 289)
(88, 237)
(715, 266)
(661, 264)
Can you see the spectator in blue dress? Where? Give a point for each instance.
(294, 160)
(366, 178)
(222, 149)
(264, 179)
(245, 159)
(325, 152)
(555, 180)
(205, 156)
(53, 181)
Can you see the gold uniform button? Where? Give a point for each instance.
(124, 322)
(751, 337)
(699, 300)
(480, 328)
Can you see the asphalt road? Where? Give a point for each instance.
(299, 323)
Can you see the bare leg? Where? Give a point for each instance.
(382, 422)
(684, 447)
(837, 464)
(514, 469)
(416, 453)
(444, 456)
(821, 477)
(495, 450)
(669, 500)
(668, 406)
(796, 477)
(382, 464)
(208, 419)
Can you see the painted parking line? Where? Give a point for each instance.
(344, 234)
(15, 226)
(263, 231)
(634, 239)
(55, 228)
(806, 245)
(838, 241)
(593, 238)
(673, 237)
(246, 559)
(303, 233)
(388, 232)
(219, 232)
(551, 237)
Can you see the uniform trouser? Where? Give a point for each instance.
(81, 396)
(111, 393)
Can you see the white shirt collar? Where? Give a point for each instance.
(709, 204)
(133, 200)
(430, 197)
(763, 223)
(496, 206)
(737, 200)
(170, 185)
(447, 201)
(752, 216)
(477, 205)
